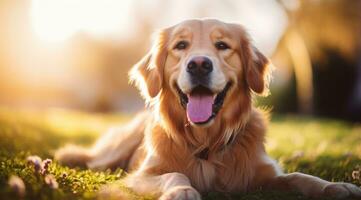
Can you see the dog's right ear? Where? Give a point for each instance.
(147, 74)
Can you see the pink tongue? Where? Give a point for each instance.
(199, 107)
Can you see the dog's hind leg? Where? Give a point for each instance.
(112, 150)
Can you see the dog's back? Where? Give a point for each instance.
(114, 149)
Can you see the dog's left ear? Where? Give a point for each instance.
(258, 71)
(147, 74)
(257, 68)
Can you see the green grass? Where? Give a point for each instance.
(326, 148)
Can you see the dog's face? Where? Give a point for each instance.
(204, 65)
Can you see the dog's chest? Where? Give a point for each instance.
(223, 171)
(203, 174)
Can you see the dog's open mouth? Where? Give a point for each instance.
(201, 104)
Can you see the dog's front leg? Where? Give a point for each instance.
(270, 176)
(313, 186)
(169, 186)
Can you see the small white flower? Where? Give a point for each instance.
(45, 166)
(51, 181)
(17, 185)
(356, 175)
(35, 161)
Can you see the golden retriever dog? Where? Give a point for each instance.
(201, 132)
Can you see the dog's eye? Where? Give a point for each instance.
(221, 45)
(181, 45)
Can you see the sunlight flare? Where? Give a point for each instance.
(57, 20)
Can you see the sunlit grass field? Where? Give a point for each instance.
(326, 148)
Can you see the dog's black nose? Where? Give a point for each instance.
(200, 66)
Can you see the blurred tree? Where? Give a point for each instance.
(322, 42)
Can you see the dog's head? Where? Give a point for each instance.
(202, 70)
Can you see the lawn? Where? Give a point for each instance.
(323, 147)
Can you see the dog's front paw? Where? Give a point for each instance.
(341, 190)
(181, 193)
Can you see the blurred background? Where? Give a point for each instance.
(75, 54)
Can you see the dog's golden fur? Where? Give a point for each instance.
(160, 147)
